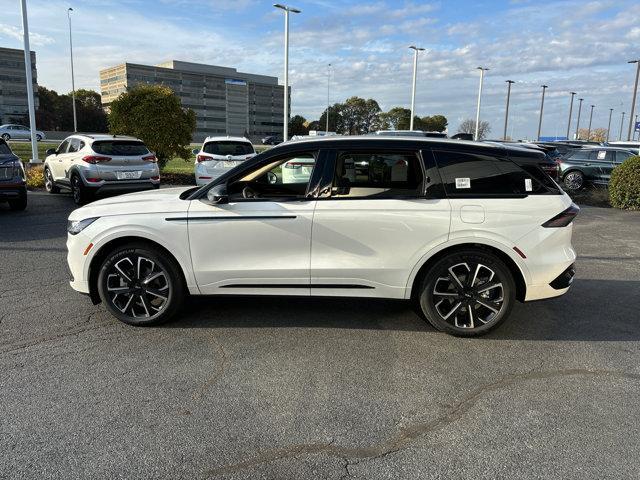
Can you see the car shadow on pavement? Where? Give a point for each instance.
(593, 310)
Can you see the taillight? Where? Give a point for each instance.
(564, 218)
(93, 159)
(203, 158)
(150, 158)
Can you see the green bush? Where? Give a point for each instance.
(624, 187)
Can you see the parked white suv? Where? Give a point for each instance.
(461, 228)
(219, 155)
(92, 164)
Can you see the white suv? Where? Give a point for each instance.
(219, 155)
(92, 164)
(463, 229)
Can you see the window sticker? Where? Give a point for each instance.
(528, 185)
(463, 183)
(602, 154)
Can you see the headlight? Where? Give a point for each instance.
(76, 226)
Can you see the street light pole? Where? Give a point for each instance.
(578, 122)
(482, 70)
(544, 87)
(328, 83)
(29, 79)
(506, 112)
(633, 102)
(609, 126)
(286, 9)
(573, 94)
(621, 126)
(413, 89)
(590, 118)
(73, 83)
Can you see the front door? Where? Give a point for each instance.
(374, 223)
(259, 242)
(58, 162)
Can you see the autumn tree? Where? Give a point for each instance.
(469, 126)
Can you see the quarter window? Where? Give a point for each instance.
(377, 175)
(471, 174)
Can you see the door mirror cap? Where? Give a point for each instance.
(51, 151)
(218, 195)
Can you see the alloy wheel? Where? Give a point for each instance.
(468, 295)
(573, 180)
(75, 189)
(48, 180)
(137, 286)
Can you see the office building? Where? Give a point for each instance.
(14, 107)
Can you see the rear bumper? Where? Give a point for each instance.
(109, 187)
(12, 191)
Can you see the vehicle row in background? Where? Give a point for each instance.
(13, 185)
(95, 164)
(18, 132)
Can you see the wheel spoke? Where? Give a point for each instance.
(494, 307)
(144, 304)
(124, 309)
(455, 308)
(155, 293)
(488, 286)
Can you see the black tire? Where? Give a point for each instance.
(49, 184)
(38, 137)
(81, 194)
(20, 203)
(125, 287)
(6, 137)
(573, 180)
(463, 308)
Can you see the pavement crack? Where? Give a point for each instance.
(409, 434)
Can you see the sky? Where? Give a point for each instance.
(580, 46)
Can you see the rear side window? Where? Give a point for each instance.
(119, 147)
(377, 175)
(228, 148)
(475, 174)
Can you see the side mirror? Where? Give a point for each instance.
(51, 151)
(218, 195)
(195, 151)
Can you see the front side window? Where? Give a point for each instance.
(285, 177)
(228, 148)
(579, 155)
(471, 174)
(62, 148)
(74, 145)
(377, 175)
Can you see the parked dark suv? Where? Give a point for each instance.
(13, 186)
(590, 165)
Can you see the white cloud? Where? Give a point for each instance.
(35, 39)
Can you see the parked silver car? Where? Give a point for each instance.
(92, 164)
(18, 132)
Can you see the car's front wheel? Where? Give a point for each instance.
(140, 285)
(467, 293)
(6, 137)
(49, 184)
(573, 180)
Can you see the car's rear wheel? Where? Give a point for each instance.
(81, 194)
(140, 285)
(49, 184)
(38, 137)
(467, 293)
(6, 137)
(573, 180)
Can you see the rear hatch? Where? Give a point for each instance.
(124, 160)
(220, 155)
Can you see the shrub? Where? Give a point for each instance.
(624, 187)
(35, 176)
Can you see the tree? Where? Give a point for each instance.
(469, 126)
(358, 116)
(55, 112)
(334, 119)
(396, 119)
(596, 134)
(153, 113)
(297, 125)
(436, 123)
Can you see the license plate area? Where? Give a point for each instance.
(134, 175)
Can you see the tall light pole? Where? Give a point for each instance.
(73, 82)
(590, 118)
(544, 87)
(482, 70)
(573, 94)
(634, 130)
(29, 78)
(609, 126)
(578, 122)
(621, 125)
(633, 102)
(287, 10)
(413, 88)
(328, 84)
(506, 111)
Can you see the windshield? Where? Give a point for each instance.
(120, 147)
(228, 148)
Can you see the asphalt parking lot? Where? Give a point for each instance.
(324, 388)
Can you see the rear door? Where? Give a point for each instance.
(373, 222)
(601, 165)
(223, 155)
(129, 160)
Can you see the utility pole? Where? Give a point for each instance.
(573, 94)
(544, 87)
(73, 82)
(633, 102)
(29, 78)
(328, 83)
(506, 112)
(578, 123)
(287, 10)
(590, 118)
(477, 132)
(609, 126)
(413, 89)
(621, 125)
